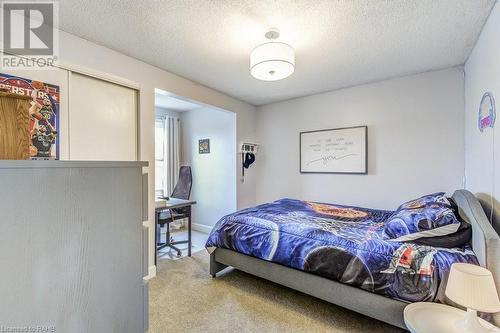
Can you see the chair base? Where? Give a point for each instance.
(161, 222)
(171, 245)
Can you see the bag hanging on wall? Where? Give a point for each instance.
(248, 152)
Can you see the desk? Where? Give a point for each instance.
(164, 205)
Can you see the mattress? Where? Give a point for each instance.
(342, 243)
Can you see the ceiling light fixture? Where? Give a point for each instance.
(272, 60)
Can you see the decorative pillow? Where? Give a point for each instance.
(430, 220)
(439, 198)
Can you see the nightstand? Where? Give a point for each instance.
(428, 317)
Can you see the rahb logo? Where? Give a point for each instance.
(29, 35)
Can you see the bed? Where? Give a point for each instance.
(370, 275)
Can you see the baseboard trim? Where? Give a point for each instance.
(202, 228)
(151, 273)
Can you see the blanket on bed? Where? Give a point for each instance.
(342, 243)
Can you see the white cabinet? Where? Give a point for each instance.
(103, 120)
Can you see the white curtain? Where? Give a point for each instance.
(172, 153)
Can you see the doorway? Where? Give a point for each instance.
(189, 133)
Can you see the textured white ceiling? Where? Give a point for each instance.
(338, 43)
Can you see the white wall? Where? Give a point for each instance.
(415, 141)
(482, 74)
(78, 52)
(214, 174)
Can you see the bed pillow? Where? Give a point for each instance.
(430, 220)
(439, 198)
(458, 239)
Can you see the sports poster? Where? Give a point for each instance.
(44, 114)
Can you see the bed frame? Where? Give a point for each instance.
(485, 242)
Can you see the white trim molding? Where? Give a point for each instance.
(151, 273)
(202, 228)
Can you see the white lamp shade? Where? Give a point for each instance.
(272, 61)
(473, 287)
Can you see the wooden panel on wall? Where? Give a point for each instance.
(14, 126)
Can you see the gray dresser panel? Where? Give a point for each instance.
(72, 247)
(145, 251)
(145, 194)
(146, 306)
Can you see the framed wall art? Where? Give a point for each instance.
(204, 146)
(337, 150)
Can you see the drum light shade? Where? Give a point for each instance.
(272, 61)
(472, 287)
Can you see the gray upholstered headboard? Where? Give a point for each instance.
(485, 240)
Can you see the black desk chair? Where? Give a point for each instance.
(182, 190)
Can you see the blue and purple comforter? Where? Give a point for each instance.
(342, 243)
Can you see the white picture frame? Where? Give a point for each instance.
(337, 150)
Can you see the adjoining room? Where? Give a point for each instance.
(198, 143)
(189, 166)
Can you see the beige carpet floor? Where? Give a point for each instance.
(185, 298)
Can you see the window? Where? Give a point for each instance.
(167, 149)
(160, 160)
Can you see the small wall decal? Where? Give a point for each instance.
(487, 112)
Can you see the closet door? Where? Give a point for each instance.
(102, 120)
